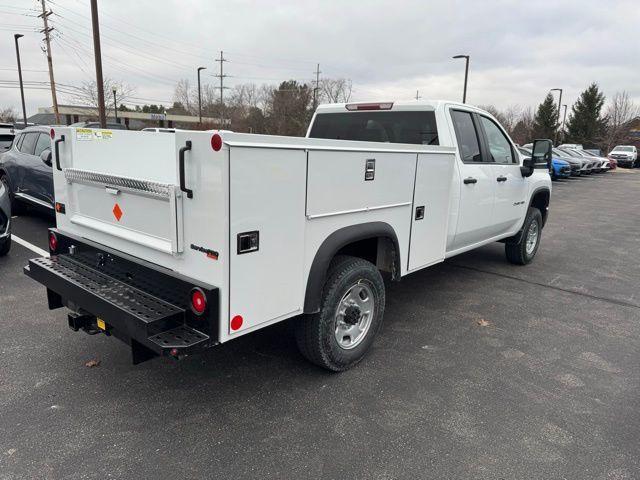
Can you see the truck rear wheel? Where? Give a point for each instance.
(523, 252)
(351, 311)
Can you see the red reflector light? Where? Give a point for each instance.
(236, 322)
(369, 106)
(216, 142)
(198, 301)
(53, 242)
(52, 133)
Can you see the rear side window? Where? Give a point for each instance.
(44, 142)
(29, 143)
(467, 135)
(417, 128)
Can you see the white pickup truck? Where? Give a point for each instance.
(176, 243)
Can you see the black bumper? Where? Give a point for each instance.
(146, 308)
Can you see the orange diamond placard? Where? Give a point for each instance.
(117, 212)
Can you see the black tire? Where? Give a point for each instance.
(5, 246)
(517, 252)
(315, 333)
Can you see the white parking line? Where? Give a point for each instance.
(30, 246)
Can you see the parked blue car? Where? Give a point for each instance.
(559, 168)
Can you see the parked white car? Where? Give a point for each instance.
(625, 156)
(208, 236)
(574, 146)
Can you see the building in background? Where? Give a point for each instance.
(133, 120)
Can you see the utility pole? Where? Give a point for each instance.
(221, 76)
(418, 97)
(466, 76)
(200, 95)
(115, 104)
(47, 39)
(98, 57)
(24, 110)
(315, 90)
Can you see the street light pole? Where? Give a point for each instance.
(559, 104)
(466, 75)
(24, 110)
(115, 105)
(200, 94)
(564, 117)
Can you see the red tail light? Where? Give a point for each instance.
(53, 242)
(198, 301)
(52, 133)
(216, 142)
(369, 106)
(236, 322)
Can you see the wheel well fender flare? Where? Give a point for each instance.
(516, 238)
(332, 244)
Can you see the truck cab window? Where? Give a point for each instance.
(418, 128)
(499, 145)
(467, 136)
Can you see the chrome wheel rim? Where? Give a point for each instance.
(354, 315)
(532, 237)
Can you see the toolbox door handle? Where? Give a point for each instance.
(186, 190)
(56, 145)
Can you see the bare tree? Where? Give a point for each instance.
(523, 129)
(619, 114)
(335, 90)
(8, 115)
(87, 94)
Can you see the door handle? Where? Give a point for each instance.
(469, 180)
(186, 190)
(56, 145)
(502, 178)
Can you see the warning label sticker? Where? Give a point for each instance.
(84, 134)
(87, 134)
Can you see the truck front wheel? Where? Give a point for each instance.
(351, 311)
(525, 249)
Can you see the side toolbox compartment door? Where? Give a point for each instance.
(431, 204)
(266, 209)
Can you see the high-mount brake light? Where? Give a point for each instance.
(52, 133)
(53, 242)
(369, 106)
(198, 301)
(216, 142)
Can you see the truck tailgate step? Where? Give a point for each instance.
(118, 303)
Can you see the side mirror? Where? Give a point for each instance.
(46, 157)
(541, 155)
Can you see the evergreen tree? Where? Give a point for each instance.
(545, 122)
(586, 125)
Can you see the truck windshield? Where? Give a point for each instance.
(374, 126)
(623, 149)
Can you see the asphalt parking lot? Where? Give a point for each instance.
(483, 370)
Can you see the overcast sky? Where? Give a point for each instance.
(390, 49)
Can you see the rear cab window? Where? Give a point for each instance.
(467, 136)
(412, 127)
